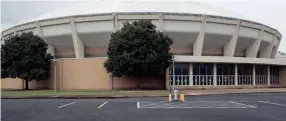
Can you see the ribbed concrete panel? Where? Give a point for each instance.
(248, 32)
(218, 28)
(267, 37)
(94, 27)
(181, 26)
(56, 30)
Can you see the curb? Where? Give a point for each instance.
(121, 96)
(224, 93)
(80, 97)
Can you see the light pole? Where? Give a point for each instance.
(173, 61)
(55, 75)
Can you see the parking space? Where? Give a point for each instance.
(235, 107)
(193, 104)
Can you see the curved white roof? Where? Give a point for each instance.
(99, 7)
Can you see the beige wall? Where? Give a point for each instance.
(10, 83)
(85, 74)
(14, 84)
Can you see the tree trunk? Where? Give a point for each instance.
(137, 83)
(26, 84)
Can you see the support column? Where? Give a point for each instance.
(235, 75)
(78, 45)
(229, 48)
(268, 75)
(14, 31)
(198, 44)
(214, 75)
(275, 47)
(161, 24)
(253, 49)
(50, 49)
(191, 74)
(115, 23)
(266, 53)
(253, 75)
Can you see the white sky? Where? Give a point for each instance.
(268, 12)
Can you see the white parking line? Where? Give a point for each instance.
(102, 105)
(192, 107)
(138, 105)
(67, 104)
(242, 104)
(271, 103)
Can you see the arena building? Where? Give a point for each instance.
(213, 48)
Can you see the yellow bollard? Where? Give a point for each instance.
(170, 97)
(182, 97)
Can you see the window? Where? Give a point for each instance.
(225, 69)
(202, 69)
(180, 69)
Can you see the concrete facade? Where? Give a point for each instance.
(85, 36)
(79, 43)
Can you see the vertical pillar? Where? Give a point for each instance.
(78, 45)
(115, 23)
(50, 49)
(268, 75)
(229, 48)
(235, 75)
(253, 75)
(191, 74)
(266, 53)
(275, 46)
(161, 24)
(198, 44)
(254, 48)
(14, 31)
(214, 75)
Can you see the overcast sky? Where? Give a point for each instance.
(268, 12)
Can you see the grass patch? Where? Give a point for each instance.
(28, 93)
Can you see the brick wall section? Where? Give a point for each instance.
(282, 74)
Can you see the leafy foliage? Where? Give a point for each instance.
(138, 50)
(24, 56)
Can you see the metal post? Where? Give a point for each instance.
(268, 75)
(55, 75)
(235, 75)
(253, 75)
(173, 75)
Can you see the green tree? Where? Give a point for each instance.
(138, 50)
(24, 56)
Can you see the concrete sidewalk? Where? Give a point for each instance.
(135, 93)
(231, 91)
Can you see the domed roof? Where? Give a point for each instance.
(99, 7)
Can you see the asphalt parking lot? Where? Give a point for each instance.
(234, 107)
